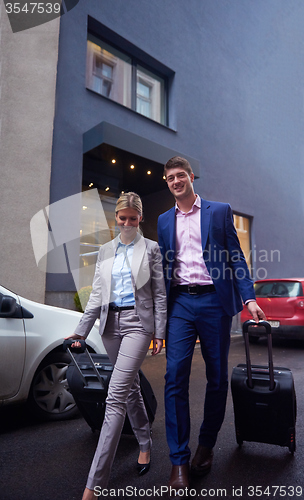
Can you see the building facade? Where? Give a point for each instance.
(215, 81)
(28, 71)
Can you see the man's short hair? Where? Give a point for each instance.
(178, 161)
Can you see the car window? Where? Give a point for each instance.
(278, 289)
(263, 289)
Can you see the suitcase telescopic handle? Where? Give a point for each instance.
(267, 327)
(67, 346)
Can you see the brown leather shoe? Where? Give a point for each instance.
(179, 478)
(202, 461)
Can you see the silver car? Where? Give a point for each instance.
(32, 364)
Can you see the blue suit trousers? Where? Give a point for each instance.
(189, 317)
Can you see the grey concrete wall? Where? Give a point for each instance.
(28, 81)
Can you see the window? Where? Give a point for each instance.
(144, 101)
(278, 289)
(150, 91)
(109, 72)
(102, 76)
(121, 78)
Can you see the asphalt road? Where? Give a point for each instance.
(50, 461)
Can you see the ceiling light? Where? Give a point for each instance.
(107, 188)
(132, 166)
(113, 161)
(149, 172)
(90, 185)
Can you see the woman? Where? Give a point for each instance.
(129, 297)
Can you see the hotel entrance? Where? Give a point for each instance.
(109, 171)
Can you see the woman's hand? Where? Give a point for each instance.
(75, 337)
(157, 346)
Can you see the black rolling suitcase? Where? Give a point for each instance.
(88, 377)
(264, 399)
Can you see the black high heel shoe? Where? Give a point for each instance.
(142, 468)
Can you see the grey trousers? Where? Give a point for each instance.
(126, 343)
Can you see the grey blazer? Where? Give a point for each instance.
(148, 288)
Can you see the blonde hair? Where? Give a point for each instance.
(129, 200)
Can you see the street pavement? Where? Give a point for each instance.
(51, 460)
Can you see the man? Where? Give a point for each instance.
(206, 279)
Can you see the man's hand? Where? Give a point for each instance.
(255, 311)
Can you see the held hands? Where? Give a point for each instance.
(255, 311)
(157, 345)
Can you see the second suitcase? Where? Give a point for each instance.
(89, 388)
(264, 399)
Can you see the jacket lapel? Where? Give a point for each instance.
(140, 265)
(205, 221)
(172, 229)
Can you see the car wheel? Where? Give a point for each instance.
(50, 396)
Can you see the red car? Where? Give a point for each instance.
(282, 301)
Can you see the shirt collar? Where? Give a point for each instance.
(121, 244)
(197, 204)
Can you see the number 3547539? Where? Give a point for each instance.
(32, 8)
(274, 491)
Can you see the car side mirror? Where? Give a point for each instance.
(8, 306)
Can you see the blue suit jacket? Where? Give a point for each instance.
(222, 253)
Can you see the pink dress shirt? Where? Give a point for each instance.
(190, 267)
